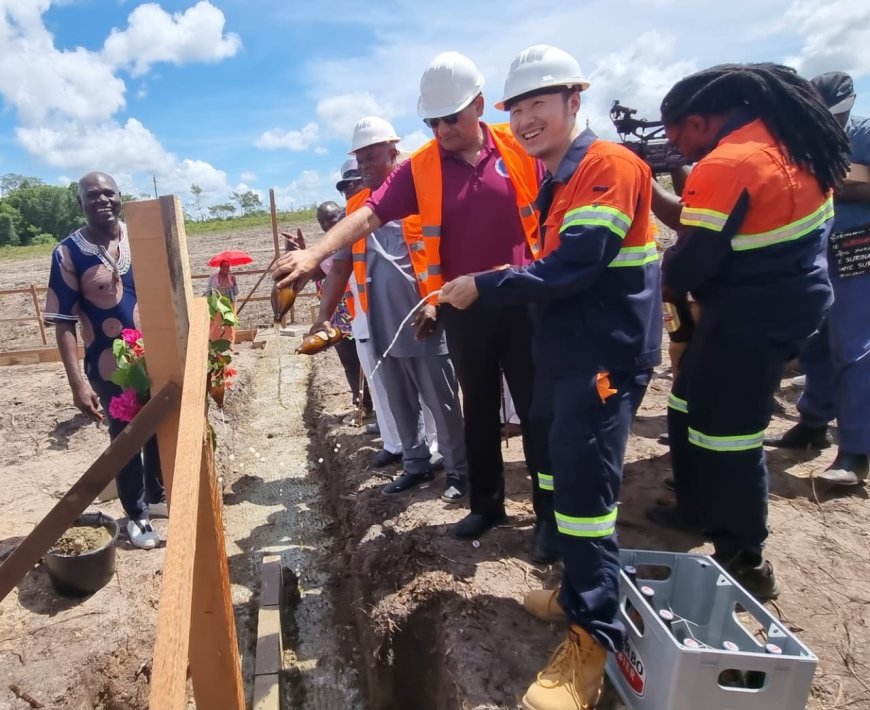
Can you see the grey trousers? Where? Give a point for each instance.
(432, 379)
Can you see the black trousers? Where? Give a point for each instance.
(346, 351)
(483, 342)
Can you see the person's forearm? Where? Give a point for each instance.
(355, 226)
(334, 288)
(67, 345)
(666, 205)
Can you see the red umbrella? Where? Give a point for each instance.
(236, 258)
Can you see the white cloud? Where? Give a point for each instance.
(835, 34)
(339, 114)
(153, 35)
(320, 150)
(310, 187)
(293, 140)
(414, 140)
(248, 176)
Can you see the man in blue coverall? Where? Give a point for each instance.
(836, 359)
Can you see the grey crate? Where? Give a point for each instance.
(657, 671)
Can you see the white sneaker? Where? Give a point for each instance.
(142, 535)
(158, 510)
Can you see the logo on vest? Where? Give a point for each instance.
(501, 168)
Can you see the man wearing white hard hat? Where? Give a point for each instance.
(474, 188)
(351, 181)
(598, 336)
(389, 278)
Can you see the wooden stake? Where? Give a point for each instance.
(161, 270)
(169, 668)
(38, 314)
(273, 212)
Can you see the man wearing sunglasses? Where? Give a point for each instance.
(474, 189)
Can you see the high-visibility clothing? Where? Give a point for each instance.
(751, 246)
(426, 281)
(522, 172)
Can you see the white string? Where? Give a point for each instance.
(416, 308)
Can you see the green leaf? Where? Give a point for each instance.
(220, 346)
(118, 347)
(139, 379)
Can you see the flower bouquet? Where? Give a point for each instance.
(131, 376)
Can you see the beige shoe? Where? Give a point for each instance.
(544, 604)
(574, 677)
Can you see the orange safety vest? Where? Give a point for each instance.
(523, 174)
(427, 282)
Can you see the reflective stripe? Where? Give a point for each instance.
(360, 288)
(602, 526)
(699, 217)
(545, 481)
(742, 442)
(434, 231)
(422, 276)
(677, 404)
(358, 257)
(527, 211)
(635, 256)
(600, 216)
(795, 230)
(417, 246)
(434, 269)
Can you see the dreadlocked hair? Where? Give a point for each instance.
(787, 104)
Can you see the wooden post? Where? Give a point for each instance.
(214, 660)
(274, 214)
(38, 314)
(161, 270)
(169, 669)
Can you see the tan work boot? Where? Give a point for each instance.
(573, 678)
(544, 604)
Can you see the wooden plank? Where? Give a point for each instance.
(271, 583)
(158, 244)
(269, 646)
(267, 692)
(126, 445)
(169, 667)
(215, 667)
(273, 215)
(18, 319)
(10, 291)
(38, 314)
(34, 356)
(236, 272)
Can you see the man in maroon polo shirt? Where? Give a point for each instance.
(480, 228)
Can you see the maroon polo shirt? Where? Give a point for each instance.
(480, 227)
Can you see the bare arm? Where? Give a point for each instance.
(84, 396)
(666, 205)
(297, 264)
(334, 288)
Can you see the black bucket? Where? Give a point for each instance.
(80, 575)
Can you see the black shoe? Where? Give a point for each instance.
(436, 462)
(385, 458)
(455, 488)
(802, 436)
(671, 485)
(846, 470)
(545, 547)
(758, 580)
(474, 525)
(373, 428)
(669, 516)
(406, 482)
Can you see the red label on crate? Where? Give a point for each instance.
(631, 665)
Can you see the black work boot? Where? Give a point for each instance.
(846, 470)
(669, 516)
(755, 577)
(545, 547)
(803, 436)
(475, 524)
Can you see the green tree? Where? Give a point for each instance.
(11, 182)
(44, 209)
(197, 191)
(8, 237)
(223, 211)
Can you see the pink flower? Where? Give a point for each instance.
(125, 406)
(131, 335)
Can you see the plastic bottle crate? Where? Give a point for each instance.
(658, 671)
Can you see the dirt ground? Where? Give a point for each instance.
(387, 611)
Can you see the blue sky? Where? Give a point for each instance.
(253, 94)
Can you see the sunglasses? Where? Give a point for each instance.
(449, 120)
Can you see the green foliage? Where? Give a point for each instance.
(39, 213)
(258, 219)
(8, 237)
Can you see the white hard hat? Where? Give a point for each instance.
(541, 67)
(372, 130)
(349, 173)
(449, 84)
